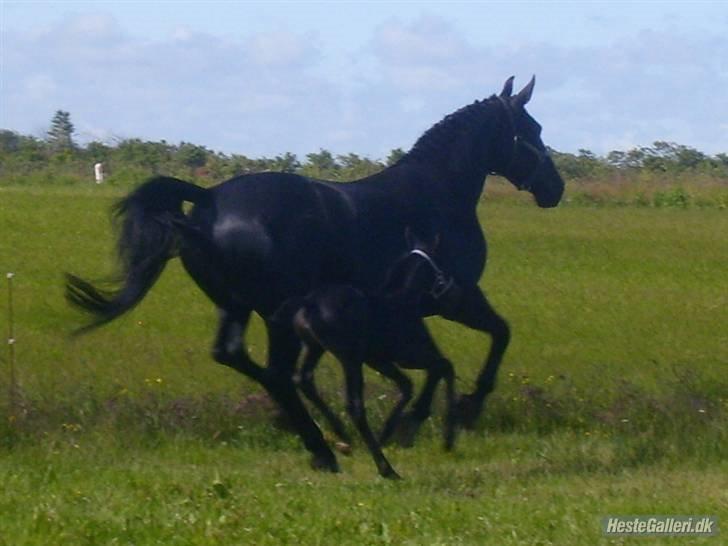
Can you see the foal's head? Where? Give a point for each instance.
(416, 273)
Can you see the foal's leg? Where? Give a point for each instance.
(475, 311)
(439, 368)
(355, 407)
(391, 371)
(308, 387)
(419, 352)
(451, 423)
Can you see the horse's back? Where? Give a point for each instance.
(273, 236)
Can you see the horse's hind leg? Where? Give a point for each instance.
(355, 407)
(284, 347)
(308, 388)
(276, 379)
(228, 349)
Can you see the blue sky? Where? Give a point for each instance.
(263, 78)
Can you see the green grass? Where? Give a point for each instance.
(612, 397)
(502, 491)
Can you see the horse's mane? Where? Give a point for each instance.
(436, 144)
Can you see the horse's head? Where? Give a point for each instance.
(522, 156)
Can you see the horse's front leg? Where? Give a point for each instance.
(474, 310)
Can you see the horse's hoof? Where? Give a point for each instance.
(326, 463)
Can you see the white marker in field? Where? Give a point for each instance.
(99, 172)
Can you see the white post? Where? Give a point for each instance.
(13, 390)
(99, 172)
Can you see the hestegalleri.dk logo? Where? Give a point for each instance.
(660, 525)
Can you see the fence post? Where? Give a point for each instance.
(12, 392)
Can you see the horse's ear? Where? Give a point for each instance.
(507, 88)
(524, 94)
(436, 242)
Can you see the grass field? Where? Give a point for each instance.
(612, 398)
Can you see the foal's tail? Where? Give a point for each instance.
(149, 219)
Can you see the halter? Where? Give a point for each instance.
(442, 283)
(517, 140)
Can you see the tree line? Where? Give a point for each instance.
(57, 158)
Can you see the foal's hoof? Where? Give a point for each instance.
(325, 462)
(467, 411)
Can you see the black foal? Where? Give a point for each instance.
(380, 329)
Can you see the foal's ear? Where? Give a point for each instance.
(409, 238)
(524, 95)
(507, 88)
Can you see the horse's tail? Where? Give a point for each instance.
(149, 220)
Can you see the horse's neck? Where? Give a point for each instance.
(438, 185)
(459, 151)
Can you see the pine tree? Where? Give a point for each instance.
(60, 135)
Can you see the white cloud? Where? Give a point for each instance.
(191, 86)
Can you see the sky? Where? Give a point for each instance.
(265, 78)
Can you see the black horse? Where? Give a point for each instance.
(385, 329)
(257, 240)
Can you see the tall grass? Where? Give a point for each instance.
(639, 189)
